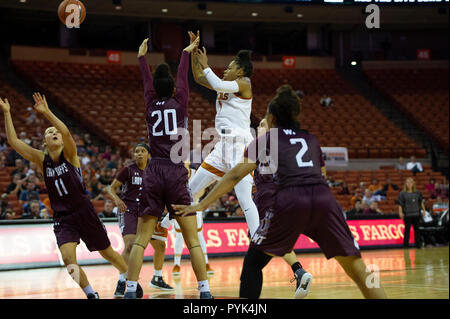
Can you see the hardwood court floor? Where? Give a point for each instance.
(405, 274)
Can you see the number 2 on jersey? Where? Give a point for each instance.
(301, 152)
(63, 187)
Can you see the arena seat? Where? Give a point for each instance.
(101, 94)
(421, 94)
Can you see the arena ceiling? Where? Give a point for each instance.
(301, 13)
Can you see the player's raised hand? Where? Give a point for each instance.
(183, 210)
(193, 45)
(4, 104)
(40, 103)
(143, 48)
(202, 58)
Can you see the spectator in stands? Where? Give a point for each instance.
(326, 101)
(23, 137)
(3, 144)
(3, 162)
(439, 206)
(375, 187)
(444, 184)
(36, 210)
(113, 162)
(356, 210)
(16, 186)
(6, 209)
(438, 192)
(21, 168)
(108, 210)
(107, 154)
(430, 186)
(343, 188)
(411, 208)
(401, 165)
(414, 166)
(30, 117)
(32, 197)
(87, 140)
(11, 157)
(389, 186)
(358, 195)
(372, 209)
(84, 158)
(368, 197)
(25, 195)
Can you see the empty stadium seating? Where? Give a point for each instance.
(110, 100)
(421, 94)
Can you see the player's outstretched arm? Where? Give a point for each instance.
(27, 152)
(225, 185)
(70, 147)
(145, 71)
(197, 70)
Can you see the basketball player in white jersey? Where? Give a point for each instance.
(233, 107)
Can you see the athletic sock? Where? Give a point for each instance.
(203, 285)
(131, 286)
(157, 273)
(88, 290)
(123, 276)
(296, 266)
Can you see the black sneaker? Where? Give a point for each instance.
(139, 292)
(158, 283)
(120, 289)
(304, 280)
(93, 296)
(206, 295)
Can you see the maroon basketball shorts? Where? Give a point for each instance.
(264, 199)
(128, 220)
(83, 224)
(311, 210)
(164, 184)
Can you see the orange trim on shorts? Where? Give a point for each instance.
(199, 229)
(212, 169)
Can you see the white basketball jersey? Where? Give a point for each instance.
(233, 112)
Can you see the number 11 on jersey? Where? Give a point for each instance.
(63, 187)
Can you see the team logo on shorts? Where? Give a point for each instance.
(263, 229)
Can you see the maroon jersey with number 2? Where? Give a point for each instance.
(303, 202)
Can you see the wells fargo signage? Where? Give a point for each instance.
(35, 245)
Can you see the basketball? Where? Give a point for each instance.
(63, 14)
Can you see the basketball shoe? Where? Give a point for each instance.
(176, 270)
(158, 283)
(304, 280)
